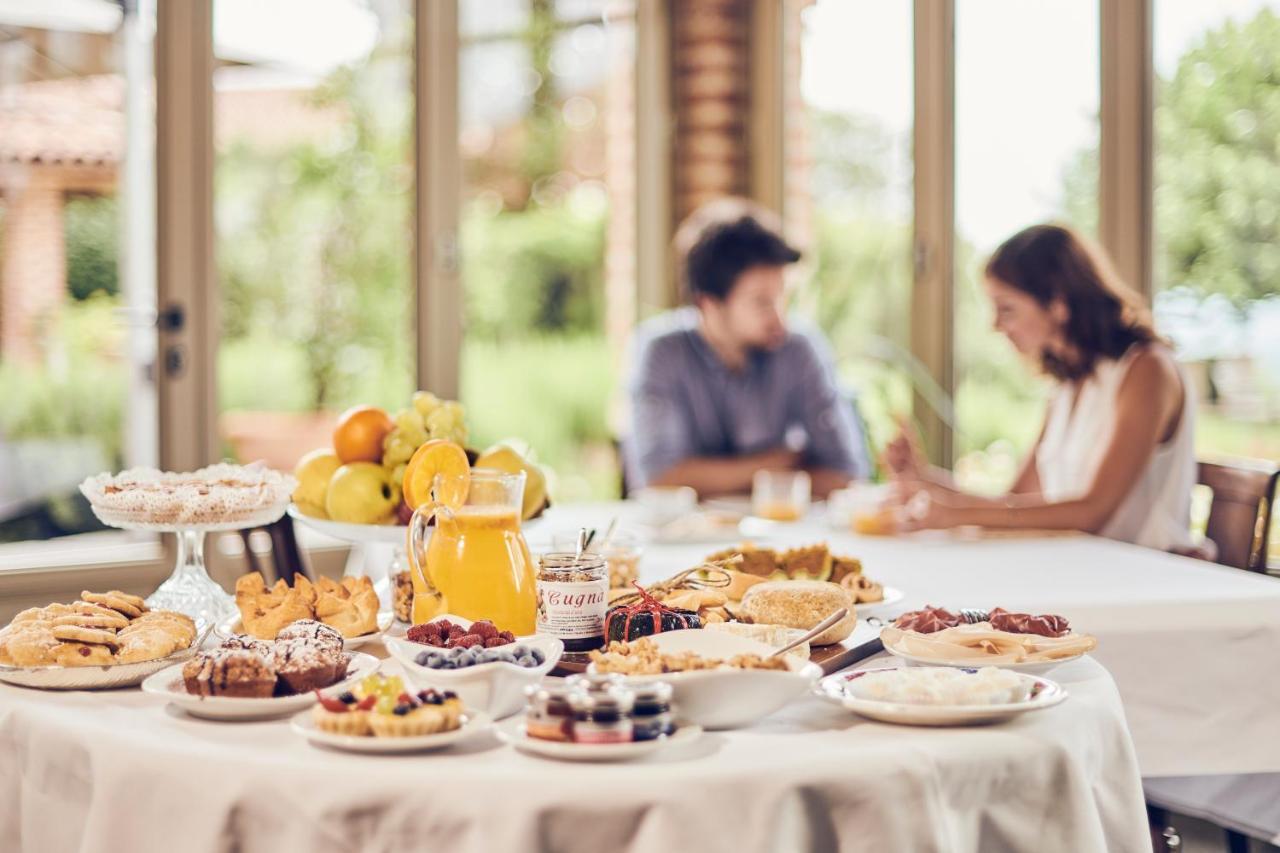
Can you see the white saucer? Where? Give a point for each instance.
(473, 723)
(167, 683)
(512, 732)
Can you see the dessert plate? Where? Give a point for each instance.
(385, 620)
(512, 732)
(473, 723)
(168, 684)
(892, 595)
(95, 677)
(842, 689)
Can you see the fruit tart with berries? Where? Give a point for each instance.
(381, 706)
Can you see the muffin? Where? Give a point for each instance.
(307, 664)
(229, 672)
(246, 643)
(310, 629)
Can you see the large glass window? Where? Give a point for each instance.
(313, 202)
(547, 226)
(77, 248)
(849, 190)
(1026, 106)
(1217, 214)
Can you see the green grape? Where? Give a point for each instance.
(385, 704)
(425, 402)
(410, 421)
(397, 475)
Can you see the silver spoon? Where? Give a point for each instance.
(608, 535)
(813, 632)
(583, 538)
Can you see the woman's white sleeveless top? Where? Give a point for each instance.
(1156, 510)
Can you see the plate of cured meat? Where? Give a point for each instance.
(1025, 642)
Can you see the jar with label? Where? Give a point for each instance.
(651, 716)
(573, 595)
(549, 715)
(603, 716)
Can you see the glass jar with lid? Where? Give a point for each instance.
(603, 716)
(573, 595)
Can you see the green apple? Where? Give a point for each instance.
(361, 493)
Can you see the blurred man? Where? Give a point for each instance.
(722, 388)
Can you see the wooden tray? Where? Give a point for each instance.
(861, 644)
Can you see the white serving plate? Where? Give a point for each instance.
(168, 684)
(496, 688)
(513, 732)
(95, 677)
(841, 689)
(385, 620)
(727, 698)
(473, 723)
(1033, 668)
(892, 595)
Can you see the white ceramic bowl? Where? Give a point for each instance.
(496, 688)
(728, 698)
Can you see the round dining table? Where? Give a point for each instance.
(123, 770)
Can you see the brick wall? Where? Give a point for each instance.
(711, 99)
(32, 262)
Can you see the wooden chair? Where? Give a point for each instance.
(1240, 514)
(1244, 806)
(286, 557)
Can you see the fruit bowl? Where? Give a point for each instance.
(385, 534)
(496, 688)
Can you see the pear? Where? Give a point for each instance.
(503, 457)
(313, 472)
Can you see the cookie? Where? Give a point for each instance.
(83, 654)
(96, 636)
(88, 609)
(136, 600)
(29, 644)
(114, 622)
(115, 602)
(147, 644)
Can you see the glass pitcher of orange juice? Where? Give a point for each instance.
(476, 563)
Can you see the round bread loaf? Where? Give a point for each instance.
(800, 604)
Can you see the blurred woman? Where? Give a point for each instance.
(1115, 455)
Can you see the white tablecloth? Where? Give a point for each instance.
(1194, 647)
(119, 771)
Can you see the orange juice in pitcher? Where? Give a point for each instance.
(476, 564)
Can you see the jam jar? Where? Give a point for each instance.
(603, 716)
(573, 595)
(548, 713)
(651, 716)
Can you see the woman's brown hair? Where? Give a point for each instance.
(1104, 315)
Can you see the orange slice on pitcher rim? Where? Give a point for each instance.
(437, 457)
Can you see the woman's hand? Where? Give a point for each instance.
(903, 455)
(921, 505)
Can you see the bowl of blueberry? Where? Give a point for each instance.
(487, 668)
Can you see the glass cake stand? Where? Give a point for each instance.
(189, 589)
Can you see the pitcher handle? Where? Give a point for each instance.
(417, 534)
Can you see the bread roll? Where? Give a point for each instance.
(800, 604)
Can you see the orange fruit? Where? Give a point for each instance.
(437, 457)
(359, 434)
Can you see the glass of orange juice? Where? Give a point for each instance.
(780, 495)
(476, 563)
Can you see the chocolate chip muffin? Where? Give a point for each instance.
(309, 629)
(229, 672)
(307, 664)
